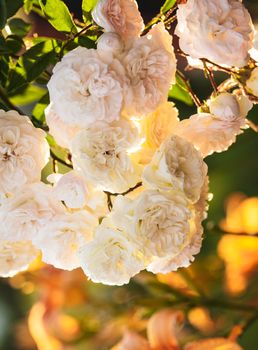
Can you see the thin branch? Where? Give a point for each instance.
(253, 126)
(110, 194)
(209, 74)
(82, 31)
(194, 97)
(60, 160)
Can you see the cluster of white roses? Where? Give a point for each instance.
(109, 109)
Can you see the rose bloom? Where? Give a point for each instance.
(252, 82)
(150, 65)
(193, 239)
(101, 155)
(87, 87)
(60, 238)
(176, 165)
(155, 128)
(29, 209)
(16, 257)
(111, 257)
(62, 132)
(23, 152)
(120, 16)
(110, 44)
(159, 221)
(216, 132)
(221, 31)
(70, 188)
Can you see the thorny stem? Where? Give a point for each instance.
(110, 194)
(194, 97)
(161, 17)
(209, 74)
(59, 160)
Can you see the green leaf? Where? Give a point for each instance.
(31, 94)
(39, 110)
(11, 45)
(167, 6)
(32, 64)
(87, 7)
(13, 6)
(28, 5)
(19, 27)
(3, 13)
(4, 64)
(58, 15)
(178, 93)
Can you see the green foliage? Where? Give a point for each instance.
(28, 5)
(167, 6)
(19, 27)
(32, 64)
(13, 6)
(3, 13)
(10, 45)
(58, 15)
(87, 7)
(29, 95)
(38, 111)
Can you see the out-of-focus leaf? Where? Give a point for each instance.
(4, 64)
(28, 5)
(86, 42)
(167, 5)
(38, 111)
(12, 6)
(32, 64)
(11, 44)
(31, 94)
(3, 13)
(178, 93)
(87, 7)
(58, 15)
(19, 27)
(250, 338)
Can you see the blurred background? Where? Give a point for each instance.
(49, 309)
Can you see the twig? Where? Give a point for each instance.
(110, 194)
(60, 160)
(194, 97)
(82, 31)
(209, 74)
(253, 126)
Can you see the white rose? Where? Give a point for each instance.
(111, 257)
(101, 154)
(23, 152)
(60, 238)
(176, 165)
(29, 209)
(85, 89)
(193, 242)
(158, 221)
(150, 65)
(221, 31)
(70, 188)
(215, 133)
(62, 132)
(16, 257)
(230, 108)
(120, 16)
(252, 82)
(110, 43)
